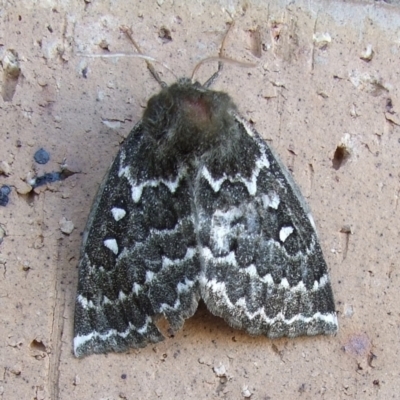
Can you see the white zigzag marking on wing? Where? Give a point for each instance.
(181, 288)
(82, 339)
(154, 233)
(85, 303)
(167, 262)
(229, 259)
(137, 189)
(219, 289)
(150, 275)
(251, 184)
(251, 271)
(175, 229)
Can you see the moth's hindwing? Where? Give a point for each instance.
(196, 205)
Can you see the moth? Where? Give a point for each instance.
(197, 206)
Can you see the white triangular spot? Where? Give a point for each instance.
(118, 213)
(112, 245)
(271, 200)
(285, 232)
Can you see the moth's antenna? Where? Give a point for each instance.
(150, 67)
(215, 75)
(221, 60)
(122, 54)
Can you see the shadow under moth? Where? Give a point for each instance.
(197, 206)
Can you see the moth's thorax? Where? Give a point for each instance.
(187, 118)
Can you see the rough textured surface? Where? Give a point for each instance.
(329, 104)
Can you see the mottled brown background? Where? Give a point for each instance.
(310, 93)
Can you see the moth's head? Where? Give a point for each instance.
(187, 117)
